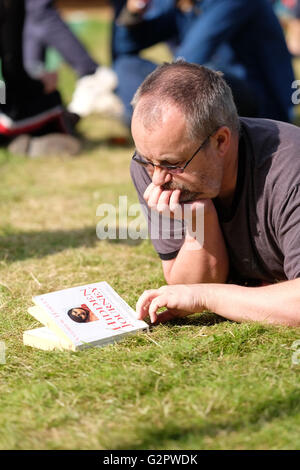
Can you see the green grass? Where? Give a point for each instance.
(199, 383)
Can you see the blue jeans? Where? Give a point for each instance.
(236, 37)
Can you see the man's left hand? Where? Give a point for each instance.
(179, 300)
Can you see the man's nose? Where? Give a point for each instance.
(160, 176)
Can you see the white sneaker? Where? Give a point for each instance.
(108, 104)
(90, 88)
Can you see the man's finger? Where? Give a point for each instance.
(154, 197)
(165, 316)
(163, 202)
(157, 302)
(148, 191)
(142, 306)
(174, 201)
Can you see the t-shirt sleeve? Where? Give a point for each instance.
(167, 235)
(289, 233)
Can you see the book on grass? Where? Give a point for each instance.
(81, 317)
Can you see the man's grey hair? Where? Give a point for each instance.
(199, 92)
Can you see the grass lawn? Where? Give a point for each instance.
(200, 383)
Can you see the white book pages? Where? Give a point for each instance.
(44, 338)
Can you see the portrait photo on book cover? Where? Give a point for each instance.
(82, 314)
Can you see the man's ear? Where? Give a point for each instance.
(223, 139)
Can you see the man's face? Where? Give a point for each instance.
(80, 313)
(168, 143)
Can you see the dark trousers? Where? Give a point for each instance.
(25, 97)
(43, 28)
(11, 26)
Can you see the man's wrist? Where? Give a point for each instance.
(197, 226)
(209, 294)
(203, 296)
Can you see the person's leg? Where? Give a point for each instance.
(93, 91)
(235, 74)
(11, 25)
(158, 25)
(243, 94)
(131, 71)
(267, 78)
(223, 60)
(34, 50)
(28, 108)
(45, 27)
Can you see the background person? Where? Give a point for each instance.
(44, 28)
(292, 20)
(234, 36)
(28, 107)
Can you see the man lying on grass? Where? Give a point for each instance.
(193, 151)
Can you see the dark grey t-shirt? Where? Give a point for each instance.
(262, 227)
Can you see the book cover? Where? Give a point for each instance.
(85, 316)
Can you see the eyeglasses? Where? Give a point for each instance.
(173, 169)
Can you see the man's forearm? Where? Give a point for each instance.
(195, 264)
(277, 303)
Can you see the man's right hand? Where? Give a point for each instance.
(160, 199)
(168, 202)
(203, 256)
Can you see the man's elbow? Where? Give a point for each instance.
(169, 278)
(167, 266)
(210, 277)
(209, 271)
